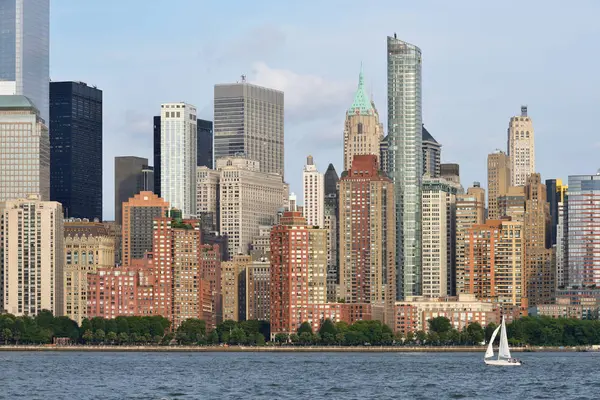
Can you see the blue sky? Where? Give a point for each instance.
(481, 61)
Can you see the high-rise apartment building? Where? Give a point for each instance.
(521, 148)
(258, 291)
(539, 271)
(470, 211)
(32, 260)
(205, 144)
(207, 196)
(24, 150)
(130, 180)
(583, 231)
(87, 247)
(561, 249)
(178, 146)
(512, 203)
(498, 181)
(210, 267)
(406, 158)
(384, 148)
(76, 148)
(138, 224)
(432, 153)
(439, 237)
(362, 130)
(233, 287)
(298, 271)
(367, 241)
(496, 261)
(249, 198)
(248, 121)
(25, 51)
(313, 190)
(156, 153)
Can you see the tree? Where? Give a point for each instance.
(294, 338)
(111, 337)
(259, 339)
(410, 337)
(213, 338)
(281, 338)
(123, 337)
(88, 336)
(475, 333)
(305, 328)
(327, 327)
(306, 338)
(238, 336)
(99, 336)
(440, 325)
(6, 335)
(489, 330)
(421, 336)
(191, 330)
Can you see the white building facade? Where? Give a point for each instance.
(313, 189)
(521, 148)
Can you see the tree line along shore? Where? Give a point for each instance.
(148, 331)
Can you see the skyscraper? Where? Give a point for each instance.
(205, 143)
(24, 150)
(367, 242)
(583, 231)
(439, 237)
(25, 51)
(362, 130)
(129, 181)
(331, 180)
(555, 192)
(331, 223)
(498, 181)
(156, 154)
(32, 260)
(76, 148)
(470, 211)
(313, 188)
(521, 148)
(248, 121)
(139, 213)
(406, 158)
(432, 153)
(178, 146)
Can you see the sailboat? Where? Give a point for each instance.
(504, 357)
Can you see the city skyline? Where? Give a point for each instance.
(465, 105)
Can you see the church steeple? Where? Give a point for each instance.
(361, 105)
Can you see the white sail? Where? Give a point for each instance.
(504, 351)
(490, 350)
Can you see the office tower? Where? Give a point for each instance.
(233, 287)
(470, 211)
(178, 141)
(555, 192)
(76, 148)
(296, 282)
(249, 198)
(367, 242)
(156, 154)
(432, 153)
(384, 147)
(450, 172)
(439, 237)
(258, 292)
(331, 180)
(32, 259)
(130, 180)
(205, 143)
(87, 247)
(521, 148)
(313, 190)
(331, 223)
(248, 121)
(139, 213)
(498, 181)
(583, 231)
(24, 150)
(25, 51)
(539, 271)
(512, 203)
(210, 268)
(405, 159)
(207, 197)
(362, 130)
(495, 265)
(561, 247)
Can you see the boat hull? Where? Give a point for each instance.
(503, 363)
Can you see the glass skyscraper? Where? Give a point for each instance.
(24, 51)
(76, 148)
(405, 159)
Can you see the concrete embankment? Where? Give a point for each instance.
(281, 349)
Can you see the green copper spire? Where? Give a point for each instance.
(361, 105)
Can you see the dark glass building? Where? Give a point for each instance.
(157, 155)
(132, 176)
(205, 143)
(76, 148)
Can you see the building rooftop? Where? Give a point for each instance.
(426, 136)
(16, 103)
(361, 105)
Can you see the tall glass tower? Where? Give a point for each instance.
(405, 159)
(24, 51)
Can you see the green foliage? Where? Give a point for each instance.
(305, 328)
(440, 325)
(191, 331)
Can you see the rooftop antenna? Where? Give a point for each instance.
(243, 78)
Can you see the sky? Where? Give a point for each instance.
(482, 60)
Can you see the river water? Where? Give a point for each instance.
(89, 375)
